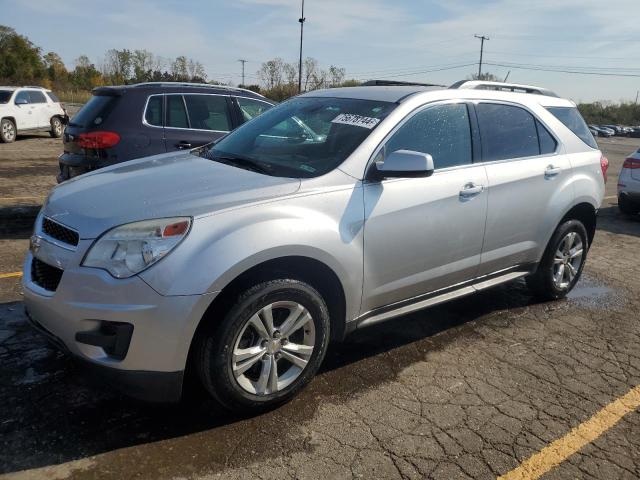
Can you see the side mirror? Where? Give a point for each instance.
(21, 101)
(405, 164)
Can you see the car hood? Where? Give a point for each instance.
(167, 185)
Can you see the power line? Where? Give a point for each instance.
(427, 71)
(482, 39)
(577, 72)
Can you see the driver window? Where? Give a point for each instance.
(443, 131)
(24, 95)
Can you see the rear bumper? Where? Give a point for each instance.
(72, 165)
(629, 186)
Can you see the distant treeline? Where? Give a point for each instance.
(605, 113)
(23, 63)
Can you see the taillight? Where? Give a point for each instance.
(604, 165)
(631, 163)
(98, 139)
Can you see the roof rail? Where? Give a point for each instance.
(33, 86)
(385, 83)
(192, 84)
(502, 87)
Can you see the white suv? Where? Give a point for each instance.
(30, 109)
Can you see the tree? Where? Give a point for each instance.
(336, 76)
(85, 75)
(485, 77)
(56, 70)
(20, 60)
(117, 65)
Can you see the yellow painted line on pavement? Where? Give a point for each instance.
(11, 275)
(585, 433)
(22, 198)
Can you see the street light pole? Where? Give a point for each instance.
(301, 20)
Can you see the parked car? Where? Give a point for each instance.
(635, 133)
(594, 131)
(601, 131)
(617, 129)
(629, 185)
(606, 131)
(30, 109)
(127, 122)
(241, 260)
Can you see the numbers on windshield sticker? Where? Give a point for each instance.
(356, 120)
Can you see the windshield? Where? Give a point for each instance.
(5, 95)
(303, 137)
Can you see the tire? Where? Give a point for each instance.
(228, 377)
(558, 272)
(8, 131)
(626, 206)
(56, 127)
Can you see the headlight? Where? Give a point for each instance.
(129, 249)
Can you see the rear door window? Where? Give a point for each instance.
(442, 131)
(95, 111)
(250, 108)
(153, 114)
(571, 118)
(208, 112)
(37, 97)
(176, 113)
(5, 96)
(507, 132)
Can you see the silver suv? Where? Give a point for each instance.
(338, 209)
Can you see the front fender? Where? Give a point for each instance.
(326, 227)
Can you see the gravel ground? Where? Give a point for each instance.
(469, 389)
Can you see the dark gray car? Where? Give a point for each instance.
(133, 121)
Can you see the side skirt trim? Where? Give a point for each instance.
(443, 295)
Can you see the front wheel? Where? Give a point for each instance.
(267, 348)
(56, 127)
(7, 131)
(562, 262)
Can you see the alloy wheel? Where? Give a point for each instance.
(8, 131)
(273, 348)
(567, 260)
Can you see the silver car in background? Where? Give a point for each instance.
(629, 185)
(335, 210)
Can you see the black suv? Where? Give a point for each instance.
(126, 122)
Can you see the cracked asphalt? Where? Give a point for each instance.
(469, 389)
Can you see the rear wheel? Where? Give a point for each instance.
(626, 206)
(56, 127)
(7, 131)
(562, 262)
(269, 345)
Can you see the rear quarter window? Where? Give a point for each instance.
(571, 118)
(95, 111)
(54, 98)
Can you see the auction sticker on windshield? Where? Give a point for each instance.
(356, 120)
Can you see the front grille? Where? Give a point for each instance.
(45, 275)
(60, 232)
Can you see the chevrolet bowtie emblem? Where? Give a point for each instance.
(34, 243)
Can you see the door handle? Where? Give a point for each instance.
(183, 145)
(471, 190)
(552, 171)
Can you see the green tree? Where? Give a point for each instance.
(20, 60)
(56, 70)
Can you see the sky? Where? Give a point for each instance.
(421, 41)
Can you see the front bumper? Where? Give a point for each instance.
(86, 299)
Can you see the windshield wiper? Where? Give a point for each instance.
(242, 162)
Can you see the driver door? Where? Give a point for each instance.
(425, 234)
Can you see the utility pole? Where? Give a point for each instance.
(482, 39)
(301, 20)
(242, 61)
(637, 93)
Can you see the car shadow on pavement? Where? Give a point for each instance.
(52, 412)
(610, 219)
